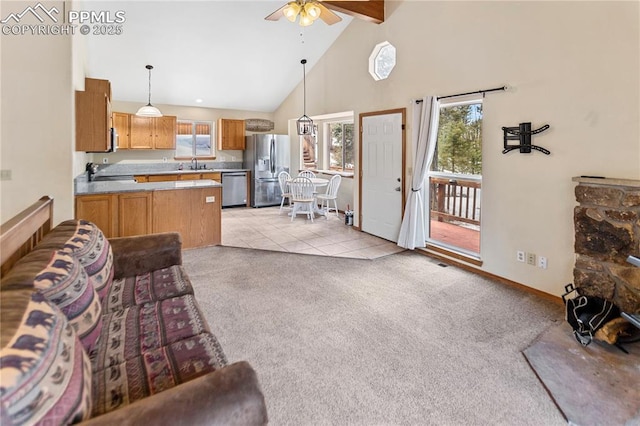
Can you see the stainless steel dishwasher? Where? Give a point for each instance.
(234, 189)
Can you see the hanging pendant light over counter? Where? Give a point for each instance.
(304, 123)
(149, 110)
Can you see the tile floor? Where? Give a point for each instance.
(266, 229)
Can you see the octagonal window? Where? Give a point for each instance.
(382, 60)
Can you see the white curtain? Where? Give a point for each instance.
(424, 137)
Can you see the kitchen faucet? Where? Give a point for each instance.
(196, 160)
(91, 170)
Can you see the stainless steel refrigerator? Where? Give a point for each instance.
(266, 156)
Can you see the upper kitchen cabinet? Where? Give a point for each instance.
(165, 132)
(93, 116)
(122, 124)
(152, 133)
(230, 134)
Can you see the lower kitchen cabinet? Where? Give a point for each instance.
(179, 176)
(101, 209)
(134, 214)
(161, 178)
(193, 212)
(212, 175)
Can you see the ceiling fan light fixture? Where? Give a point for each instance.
(292, 10)
(149, 110)
(305, 19)
(312, 10)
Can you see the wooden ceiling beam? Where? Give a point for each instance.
(372, 10)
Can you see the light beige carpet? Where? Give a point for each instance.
(396, 340)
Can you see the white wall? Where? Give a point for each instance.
(37, 120)
(182, 112)
(572, 65)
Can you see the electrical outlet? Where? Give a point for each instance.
(211, 199)
(531, 259)
(520, 256)
(542, 262)
(164, 159)
(105, 160)
(233, 158)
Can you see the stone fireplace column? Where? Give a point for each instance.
(607, 230)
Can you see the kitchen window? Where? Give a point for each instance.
(194, 139)
(340, 145)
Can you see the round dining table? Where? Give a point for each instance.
(317, 183)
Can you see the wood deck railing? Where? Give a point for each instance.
(455, 199)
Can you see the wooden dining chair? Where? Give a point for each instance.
(283, 179)
(302, 197)
(330, 195)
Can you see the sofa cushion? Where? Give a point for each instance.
(86, 242)
(65, 282)
(155, 371)
(138, 329)
(145, 288)
(45, 375)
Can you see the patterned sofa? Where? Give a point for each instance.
(109, 332)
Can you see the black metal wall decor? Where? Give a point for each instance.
(522, 133)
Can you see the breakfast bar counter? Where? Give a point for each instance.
(123, 208)
(82, 187)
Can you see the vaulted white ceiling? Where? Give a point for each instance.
(222, 52)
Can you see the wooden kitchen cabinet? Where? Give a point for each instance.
(142, 132)
(93, 116)
(163, 178)
(122, 124)
(134, 213)
(194, 213)
(179, 176)
(153, 132)
(165, 132)
(230, 134)
(212, 175)
(101, 209)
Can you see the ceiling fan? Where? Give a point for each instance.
(307, 10)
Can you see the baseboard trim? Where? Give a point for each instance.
(462, 263)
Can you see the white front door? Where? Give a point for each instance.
(382, 174)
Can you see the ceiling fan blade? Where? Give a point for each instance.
(328, 16)
(277, 14)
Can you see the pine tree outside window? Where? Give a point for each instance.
(341, 149)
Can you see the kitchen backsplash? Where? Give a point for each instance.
(138, 168)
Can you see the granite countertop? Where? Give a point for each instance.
(104, 187)
(107, 173)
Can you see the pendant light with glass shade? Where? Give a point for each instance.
(304, 123)
(149, 110)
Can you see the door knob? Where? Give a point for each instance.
(398, 189)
